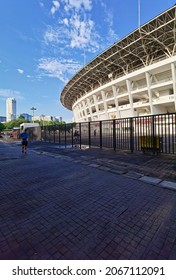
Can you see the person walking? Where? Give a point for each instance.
(24, 135)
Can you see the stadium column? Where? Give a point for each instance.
(96, 105)
(80, 112)
(174, 81)
(105, 104)
(128, 83)
(77, 113)
(90, 109)
(84, 109)
(115, 93)
(148, 80)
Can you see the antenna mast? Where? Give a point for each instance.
(139, 13)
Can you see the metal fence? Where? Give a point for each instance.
(156, 133)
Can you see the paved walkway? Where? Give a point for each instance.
(85, 204)
(135, 165)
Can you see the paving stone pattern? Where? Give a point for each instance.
(161, 166)
(56, 205)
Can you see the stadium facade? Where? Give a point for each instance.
(136, 76)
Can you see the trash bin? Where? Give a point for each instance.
(150, 143)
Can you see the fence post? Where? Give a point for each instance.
(80, 135)
(72, 134)
(59, 133)
(44, 132)
(54, 134)
(131, 135)
(49, 134)
(89, 131)
(153, 135)
(114, 135)
(65, 126)
(100, 124)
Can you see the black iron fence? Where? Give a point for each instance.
(156, 133)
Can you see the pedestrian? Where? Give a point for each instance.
(95, 132)
(24, 135)
(76, 136)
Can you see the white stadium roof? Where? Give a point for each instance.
(151, 42)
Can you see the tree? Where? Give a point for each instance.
(2, 126)
(46, 123)
(15, 123)
(21, 117)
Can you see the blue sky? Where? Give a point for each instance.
(43, 43)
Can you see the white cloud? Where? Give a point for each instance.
(81, 32)
(51, 36)
(75, 31)
(20, 71)
(109, 19)
(65, 21)
(58, 68)
(78, 4)
(55, 7)
(56, 35)
(5, 93)
(113, 37)
(41, 4)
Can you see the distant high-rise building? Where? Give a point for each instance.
(2, 119)
(10, 109)
(27, 117)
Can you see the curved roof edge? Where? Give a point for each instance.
(131, 52)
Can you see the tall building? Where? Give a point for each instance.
(10, 109)
(135, 76)
(2, 119)
(27, 117)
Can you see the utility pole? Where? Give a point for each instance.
(33, 109)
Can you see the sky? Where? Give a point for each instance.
(43, 43)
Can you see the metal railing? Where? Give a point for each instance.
(152, 132)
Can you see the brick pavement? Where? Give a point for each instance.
(56, 205)
(122, 162)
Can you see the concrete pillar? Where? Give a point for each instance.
(115, 93)
(174, 81)
(84, 110)
(90, 109)
(129, 86)
(104, 103)
(96, 104)
(148, 80)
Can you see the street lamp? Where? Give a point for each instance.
(33, 109)
(42, 116)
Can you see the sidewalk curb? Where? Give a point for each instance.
(130, 174)
(168, 185)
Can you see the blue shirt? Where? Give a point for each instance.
(24, 136)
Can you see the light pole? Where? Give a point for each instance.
(42, 116)
(139, 13)
(33, 109)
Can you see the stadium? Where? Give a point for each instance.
(136, 76)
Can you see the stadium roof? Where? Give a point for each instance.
(151, 42)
